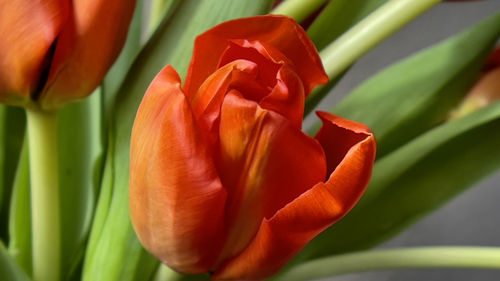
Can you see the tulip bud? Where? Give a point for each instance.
(56, 51)
(222, 179)
(485, 91)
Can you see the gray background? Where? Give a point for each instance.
(473, 218)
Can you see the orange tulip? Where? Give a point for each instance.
(222, 178)
(56, 51)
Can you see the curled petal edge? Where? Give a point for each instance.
(281, 237)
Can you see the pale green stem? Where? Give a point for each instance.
(425, 257)
(298, 9)
(42, 135)
(377, 26)
(164, 273)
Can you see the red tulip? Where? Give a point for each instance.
(222, 179)
(56, 51)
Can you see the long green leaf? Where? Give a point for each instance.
(159, 9)
(9, 270)
(12, 124)
(416, 179)
(113, 241)
(414, 95)
(114, 77)
(20, 215)
(79, 147)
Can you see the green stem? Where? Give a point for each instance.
(425, 257)
(45, 216)
(355, 42)
(298, 9)
(369, 32)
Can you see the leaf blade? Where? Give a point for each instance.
(13, 122)
(8, 268)
(416, 179)
(20, 215)
(420, 91)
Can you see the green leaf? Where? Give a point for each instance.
(20, 215)
(113, 241)
(79, 147)
(416, 179)
(12, 124)
(416, 94)
(9, 270)
(115, 76)
(337, 17)
(159, 9)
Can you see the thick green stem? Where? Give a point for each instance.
(45, 215)
(355, 42)
(369, 32)
(298, 9)
(425, 257)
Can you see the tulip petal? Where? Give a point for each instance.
(208, 100)
(287, 96)
(176, 197)
(350, 150)
(89, 43)
(282, 236)
(258, 54)
(28, 28)
(265, 162)
(284, 95)
(280, 32)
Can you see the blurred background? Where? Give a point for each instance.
(472, 218)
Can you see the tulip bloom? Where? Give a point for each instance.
(56, 51)
(222, 178)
